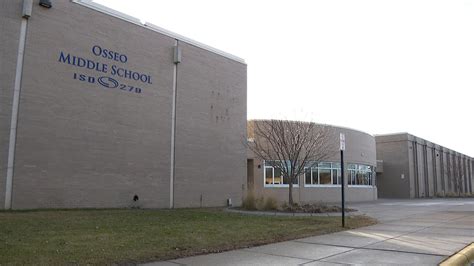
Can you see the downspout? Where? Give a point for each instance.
(441, 162)
(26, 13)
(435, 171)
(415, 163)
(176, 61)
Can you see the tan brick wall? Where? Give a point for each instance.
(81, 144)
(211, 129)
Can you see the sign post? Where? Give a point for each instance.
(342, 147)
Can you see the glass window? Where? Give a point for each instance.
(323, 173)
(360, 178)
(295, 181)
(360, 175)
(274, 175)
(314, 174)
(324, 165)
(325, 176)
(268, 175)
(336, 176)
(277, 176)
(307, 175)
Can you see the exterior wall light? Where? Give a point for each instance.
(45, 3)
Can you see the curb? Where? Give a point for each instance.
(293, 214)
(463, 257)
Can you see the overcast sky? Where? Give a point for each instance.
(376, 66)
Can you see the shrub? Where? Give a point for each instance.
(249, 202)
(290, 208)
(260, 203)
(270, 204)
(252, 203)
(318, 207)
(451, 194)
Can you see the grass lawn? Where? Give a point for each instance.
(108, 236)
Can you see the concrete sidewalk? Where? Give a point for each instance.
(410, 232)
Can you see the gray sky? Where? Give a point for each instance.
(373, 65)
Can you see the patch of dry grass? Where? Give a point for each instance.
(116, 236)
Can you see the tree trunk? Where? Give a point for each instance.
(290, 193)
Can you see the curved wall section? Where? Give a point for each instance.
(322, 181)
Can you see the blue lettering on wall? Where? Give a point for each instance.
(83, 63)
(98, 51)
(115, 71)
(128, 74)
(106, 82)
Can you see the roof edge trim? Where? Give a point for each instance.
(117, 14)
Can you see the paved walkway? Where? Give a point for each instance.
(410, 232)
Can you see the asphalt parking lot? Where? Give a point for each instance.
(417, 232)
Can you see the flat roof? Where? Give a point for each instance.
(114, 13)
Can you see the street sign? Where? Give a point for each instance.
(342, 145)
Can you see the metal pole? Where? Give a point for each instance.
(342, 187)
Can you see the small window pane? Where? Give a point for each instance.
(315, 176)
(278, 178)
(336, 177)
(353, 180)
(295, 181)
(360, 178)
(277, 172)
(268, 175)
(307, 176)
(270, 163)
(324, 176)
(324, 165)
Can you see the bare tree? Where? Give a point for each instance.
(290, 146)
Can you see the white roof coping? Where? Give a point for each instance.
(114, 13)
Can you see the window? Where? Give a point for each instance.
(307, 175)
(268, 175)
(360, 175)
(325, 176)
(323, 173)
(274, 176)
(336, 173)
(277, 176)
